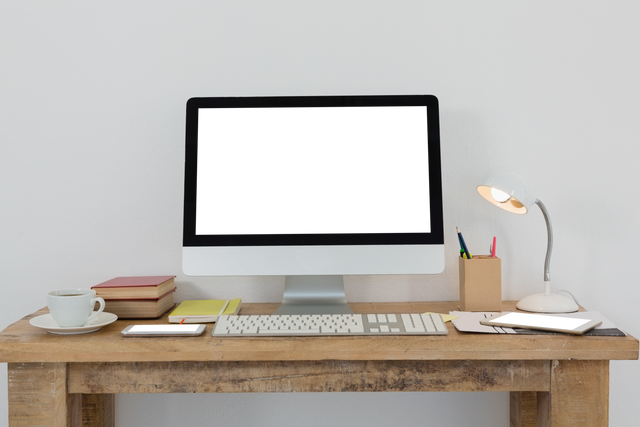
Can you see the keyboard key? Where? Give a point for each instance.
(428, 322)
(288, 332)
(417, 322)
(440, 326)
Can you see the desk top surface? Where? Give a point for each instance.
(22, 342)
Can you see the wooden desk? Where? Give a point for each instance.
(71, 380)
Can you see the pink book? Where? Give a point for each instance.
(135, 287)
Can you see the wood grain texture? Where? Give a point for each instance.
(38, 396)
(309, 376)
(523, 409)
(98, 410)
(57, 380)
(21, 342)
(579, 395)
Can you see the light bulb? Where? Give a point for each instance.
(499, 195)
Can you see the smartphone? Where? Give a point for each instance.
(190, 330)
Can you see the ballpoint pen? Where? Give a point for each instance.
(462, 244)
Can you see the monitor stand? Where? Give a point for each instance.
(314, 295)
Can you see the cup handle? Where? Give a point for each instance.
(100, 310)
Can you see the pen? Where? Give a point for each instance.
(462, 254)
(462, 244)
(493, 248)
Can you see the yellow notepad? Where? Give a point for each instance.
(203, 311)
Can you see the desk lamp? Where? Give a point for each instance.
(511, 192)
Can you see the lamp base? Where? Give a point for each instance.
(543, 303)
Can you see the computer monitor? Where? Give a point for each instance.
(313, 188)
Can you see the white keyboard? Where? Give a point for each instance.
(329, 324)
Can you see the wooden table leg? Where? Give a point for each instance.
(524, 409)
(98, 410)
(579, 395)
(38, 396)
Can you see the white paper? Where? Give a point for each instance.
(470, 321)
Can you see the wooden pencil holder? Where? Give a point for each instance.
(480, 283)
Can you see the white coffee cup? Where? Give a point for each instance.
(73, 307)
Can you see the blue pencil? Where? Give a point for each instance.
(462, 244)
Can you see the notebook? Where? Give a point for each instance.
(203, 311)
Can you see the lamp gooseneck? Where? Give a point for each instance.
(547, 259)
(547, 302)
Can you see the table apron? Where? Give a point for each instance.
(309, 376)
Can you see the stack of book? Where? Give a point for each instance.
(137, 297)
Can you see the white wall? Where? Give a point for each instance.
(92, 101)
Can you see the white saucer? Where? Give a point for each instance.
(46, 322)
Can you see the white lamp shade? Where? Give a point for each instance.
(520, 196)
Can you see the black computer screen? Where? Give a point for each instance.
(313, 170)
